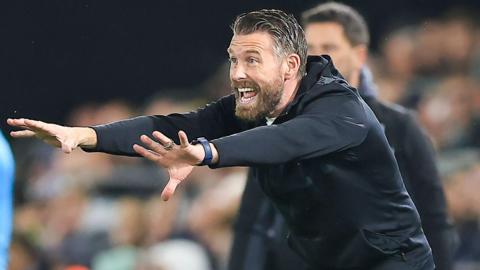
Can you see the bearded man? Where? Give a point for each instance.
(315, 147)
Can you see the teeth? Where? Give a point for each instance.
(243, 90)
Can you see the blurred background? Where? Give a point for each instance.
(90, 62)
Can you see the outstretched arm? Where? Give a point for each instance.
(213, 121)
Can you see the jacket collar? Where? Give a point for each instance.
(367, 88)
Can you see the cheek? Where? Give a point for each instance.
(258, 75)
(343, 62)
(267, 80)
(355, 59)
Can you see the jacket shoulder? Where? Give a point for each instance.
(391, 113)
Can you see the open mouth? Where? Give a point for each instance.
(247, 95)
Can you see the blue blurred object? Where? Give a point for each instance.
(7, 172)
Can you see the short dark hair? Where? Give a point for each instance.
(287, 34)
(353, 23)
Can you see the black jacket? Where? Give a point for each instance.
(325, 164)
(259, 241)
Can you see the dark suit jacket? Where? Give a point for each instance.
(416, 160)
(325, 164)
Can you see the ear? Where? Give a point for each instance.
(361, 52)
(292, 66)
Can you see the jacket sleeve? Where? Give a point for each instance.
(213, 121)
(326, 125)
(427, 192)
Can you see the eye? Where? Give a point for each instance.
(252, 60)
(330, 48)
(232, 60)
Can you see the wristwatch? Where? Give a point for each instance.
(207, 160)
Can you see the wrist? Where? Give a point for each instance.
(206, 146)
(85, 136)
(199, 154)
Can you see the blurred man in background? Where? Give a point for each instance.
(341, 32)
(7, 171)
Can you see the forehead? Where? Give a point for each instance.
(324, 31)
(257, 41)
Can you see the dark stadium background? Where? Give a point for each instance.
(57, 54)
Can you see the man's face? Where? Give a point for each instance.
(329, 38)
(256, 75)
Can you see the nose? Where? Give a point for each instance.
(237, 72)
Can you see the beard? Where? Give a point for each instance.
(267, 98)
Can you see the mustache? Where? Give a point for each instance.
(244, 84)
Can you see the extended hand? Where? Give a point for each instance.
(59, 136)
(179, 160)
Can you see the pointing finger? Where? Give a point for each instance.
(16, 122)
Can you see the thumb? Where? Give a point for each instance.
(183, 139)
(66, 149)
(68, 146)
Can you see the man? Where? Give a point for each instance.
(7, 171)
(341, 32)
(322, 158)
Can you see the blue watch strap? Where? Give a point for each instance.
(207, 160)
